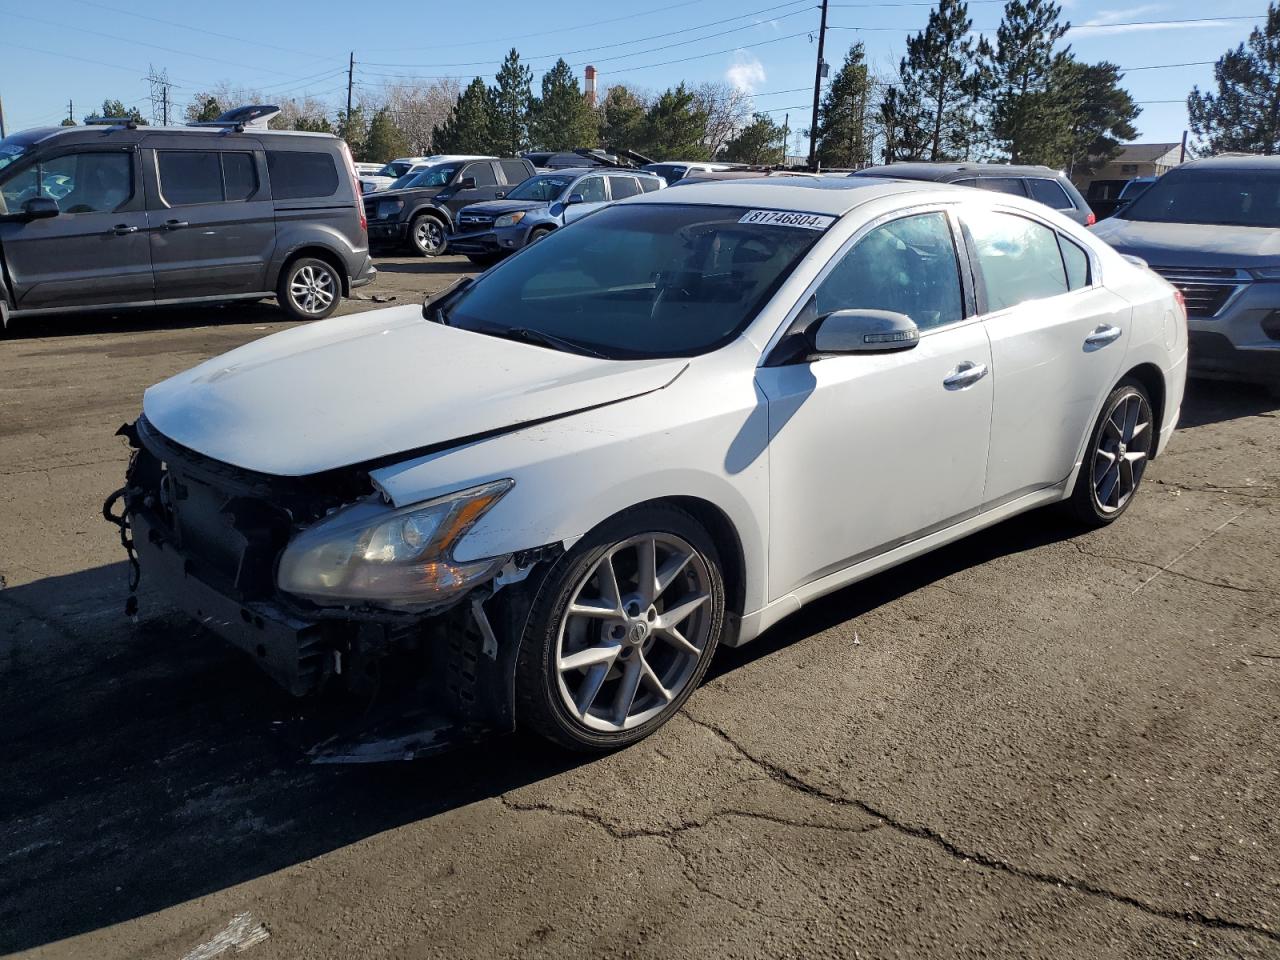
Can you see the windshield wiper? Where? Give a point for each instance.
(541, 338)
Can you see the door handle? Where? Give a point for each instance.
(175, 224)
(123, 229)
(965, 375)
(1102, 335)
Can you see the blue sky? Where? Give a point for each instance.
(104, 48)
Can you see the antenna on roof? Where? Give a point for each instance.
(254, 117)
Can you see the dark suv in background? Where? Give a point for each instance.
(116, 215)
(423, 212)
(1042, 184)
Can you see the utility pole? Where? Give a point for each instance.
(1182, 154)
(817, 90)
(164, 104)
(159, 80)
(71, 113)
(786, 133)
(2, 134)
(351, 74)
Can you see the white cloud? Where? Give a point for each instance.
(1110, 22)
(1122, 15)
(746, 73)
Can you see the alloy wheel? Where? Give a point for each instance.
(1122, 451)
(312, 289)
(428, 236)
(634, 632)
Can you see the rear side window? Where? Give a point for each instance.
(623, 187)
(1050, 193)
(591, 189)
(648, 184)
(999, 185)
(483, 173)
(1019, 258)
(516, 171)
(190, 176)
(239, 176)
(297, 174)
(1077, 262)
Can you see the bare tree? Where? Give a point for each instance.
(728, 110)
(418, 107)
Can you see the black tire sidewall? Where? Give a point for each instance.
(413, 235)
(538, 704)
(286, 279)
(1082, 499)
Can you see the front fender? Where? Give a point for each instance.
(704, 436)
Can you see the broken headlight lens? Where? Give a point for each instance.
(403, 558)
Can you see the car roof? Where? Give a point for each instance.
(1239, 161)
(579, 171)
(945, 171)
(93, 131)
(833, 196)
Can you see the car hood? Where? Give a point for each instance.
(355, 389)
(1192, 244)
(499, 207)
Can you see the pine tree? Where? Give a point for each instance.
(939, 73)
(902, 117)
(353, 128)
(1024, 116)
(759, 142)
(385, 140)
(675, 126)
(1244, 114)
(469, 127)
(562, 118)
(512, 103)
(1099, 112)
(205, 108)
(623, 120)
(842, 115)
(116, 108)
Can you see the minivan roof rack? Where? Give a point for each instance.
(130, 122)
(254, 117)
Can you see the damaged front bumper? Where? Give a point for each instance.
(209, 537)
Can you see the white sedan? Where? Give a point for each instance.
(553, 491)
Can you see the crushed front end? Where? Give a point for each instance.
(211, 538)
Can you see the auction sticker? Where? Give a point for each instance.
(788, 218)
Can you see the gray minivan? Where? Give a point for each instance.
(116, 215)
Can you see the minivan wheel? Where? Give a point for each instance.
(427, 235)
(310, 289)
(1119, 449)
(622, 631)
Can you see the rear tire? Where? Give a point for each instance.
(1115, 459)
(594, 679)
(427, 235)
(309, 289)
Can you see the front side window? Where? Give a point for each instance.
(622, 187)
(540, 188)
(299, 174)
(436, 176)
(1050, 193)
(1019, 258)
(1237, 198)
(906, 266)
(591, 189)
(483, 174)
(637, 280)
(77, 182)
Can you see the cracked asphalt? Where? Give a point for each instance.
(1033, 743)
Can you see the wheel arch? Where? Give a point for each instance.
(431, 210)
(1152, 380)
(317, 251)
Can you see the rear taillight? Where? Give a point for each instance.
(1181, 301)
(1090, 220)
(355, 186)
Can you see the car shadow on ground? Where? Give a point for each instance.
(148, 764)
(1215, 401)
(426, 267)
(143, 319)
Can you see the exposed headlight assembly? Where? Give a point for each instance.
(389, 208)
(509, 219)
(364, 554)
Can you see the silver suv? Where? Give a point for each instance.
(1212, 229)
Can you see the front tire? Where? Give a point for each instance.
(622, 631)
(427, 235)
(309, 289)
(1120, 446)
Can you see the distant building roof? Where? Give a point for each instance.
(1143, 152)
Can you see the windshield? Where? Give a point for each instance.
(639, 280)
(540, 188)
(10, 151)
(1237, 198)
(436, 176)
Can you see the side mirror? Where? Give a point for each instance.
(575, 198)
(40, 208)
(467, 183)
(864, 331)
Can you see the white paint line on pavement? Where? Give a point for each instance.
(240, 934)
(1192, 549)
